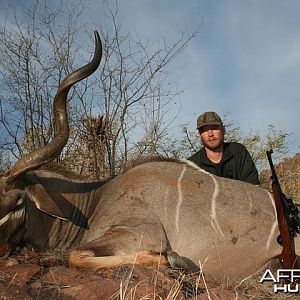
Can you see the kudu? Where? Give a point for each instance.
(159, 211)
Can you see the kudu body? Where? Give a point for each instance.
(167, 211)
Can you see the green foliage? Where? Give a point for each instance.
(256, 142)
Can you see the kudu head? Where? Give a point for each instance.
(12, 186)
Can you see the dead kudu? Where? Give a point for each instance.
(166, 211)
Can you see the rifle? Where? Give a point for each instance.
(288, 222)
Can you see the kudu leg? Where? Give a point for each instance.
(122, 245)
(85, 259)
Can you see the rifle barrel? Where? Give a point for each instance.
(274, 175)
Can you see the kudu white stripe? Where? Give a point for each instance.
(213, 214)
(180, 197)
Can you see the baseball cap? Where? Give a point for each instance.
(209, 118)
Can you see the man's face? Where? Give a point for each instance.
(212, 136)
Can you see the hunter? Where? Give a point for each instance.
(230, 160)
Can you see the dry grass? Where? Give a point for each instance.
(251, 288)
(139, 282)
(194, 286)
(288, 173)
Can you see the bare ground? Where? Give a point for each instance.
(30, 275)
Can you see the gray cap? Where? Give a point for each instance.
(209, 118)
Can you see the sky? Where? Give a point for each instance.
(244, 63)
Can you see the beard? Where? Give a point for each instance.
(214, 144)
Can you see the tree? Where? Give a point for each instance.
(134, 92)
(39, 50)
(131, 90)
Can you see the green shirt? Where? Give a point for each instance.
(235, 164)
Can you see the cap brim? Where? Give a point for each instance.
(210, 124)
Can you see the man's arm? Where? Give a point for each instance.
(248, 169)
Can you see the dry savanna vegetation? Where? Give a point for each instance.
(288, 173)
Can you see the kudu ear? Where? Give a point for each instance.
(55, 205)
(44, 202)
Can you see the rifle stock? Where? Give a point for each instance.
(287, 258)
